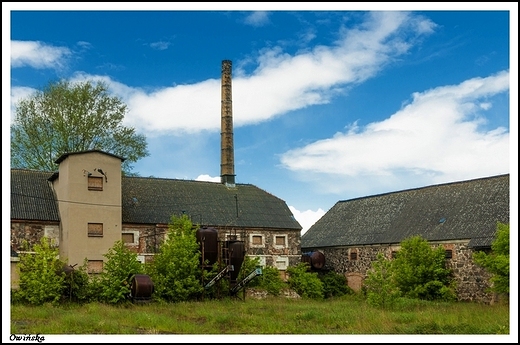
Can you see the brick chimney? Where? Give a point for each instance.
(227, 161)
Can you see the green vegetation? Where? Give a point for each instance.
(411, 294)
(175, 270)
(42, 279)
(349, 315)
(69, 117)
(112, 285)
(418, 271)
(306, 283)
(497, 262)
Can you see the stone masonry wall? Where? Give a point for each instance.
(472, 281)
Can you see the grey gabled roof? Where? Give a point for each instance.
(452, 211)
(32, 197)
(155, 200)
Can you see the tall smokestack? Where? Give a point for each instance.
(227, 164)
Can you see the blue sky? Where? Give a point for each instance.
(329, 104)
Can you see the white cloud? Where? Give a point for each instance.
(306, 218)
(436, 138)
(257, 18)
(278, 85)
(208, 178)
(38, 55)
(160, 45)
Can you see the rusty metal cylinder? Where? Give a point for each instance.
(208, 242)
(141, 287)
(316, 259)
(236, 253)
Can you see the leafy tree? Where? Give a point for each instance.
(419, 271)
(305, 283)
(175, 270)
(379, 285)
(497, 262)
(334, 284)
(77, 284)
(112, 283)
(41, 275)
(270, 280)
(69, 117)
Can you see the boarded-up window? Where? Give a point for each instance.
(448, 254)
(95, 266)
(95, 229)
(128, 237)
(95, 183)
(257, 239)
(353, 255)
(280, 240)
(281, 263)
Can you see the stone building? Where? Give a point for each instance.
(461, 216)
(88, 205)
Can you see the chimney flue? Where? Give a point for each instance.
(227, 164)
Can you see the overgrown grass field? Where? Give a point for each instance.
(273, 315)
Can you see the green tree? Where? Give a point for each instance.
(419, 271)
(41, 274)
(175, 270)
(305, 283)
(113, 284)
(334, 284)
(379, 285)
(270, 280)
(497, 262)
(69, 117)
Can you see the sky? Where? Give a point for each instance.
(329, 103)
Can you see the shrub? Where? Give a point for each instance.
(270, 280)
(419, 271)
(112, 284)
(334, 284)
(175, 270)
(379, 286)
(497, 262)
(77, 284)
(305, 283)
(41, 275)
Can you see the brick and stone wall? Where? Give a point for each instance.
(472, 281)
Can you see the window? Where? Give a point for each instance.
(257, 240)
(95, 266)
(448, 254)
(282, 262)
(95, 183)
(280, 241)
(394, 254)
(95, 229)
(353, 254)
(128, 237)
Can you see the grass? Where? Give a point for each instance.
(348, 315)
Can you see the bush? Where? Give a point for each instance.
(270, 280)
(334, 284)
(42, 279)
(305, 283)
(175, 270)
(419, 271)
(77, 284)
(497, 262)
(379, 286)
(112, 284)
